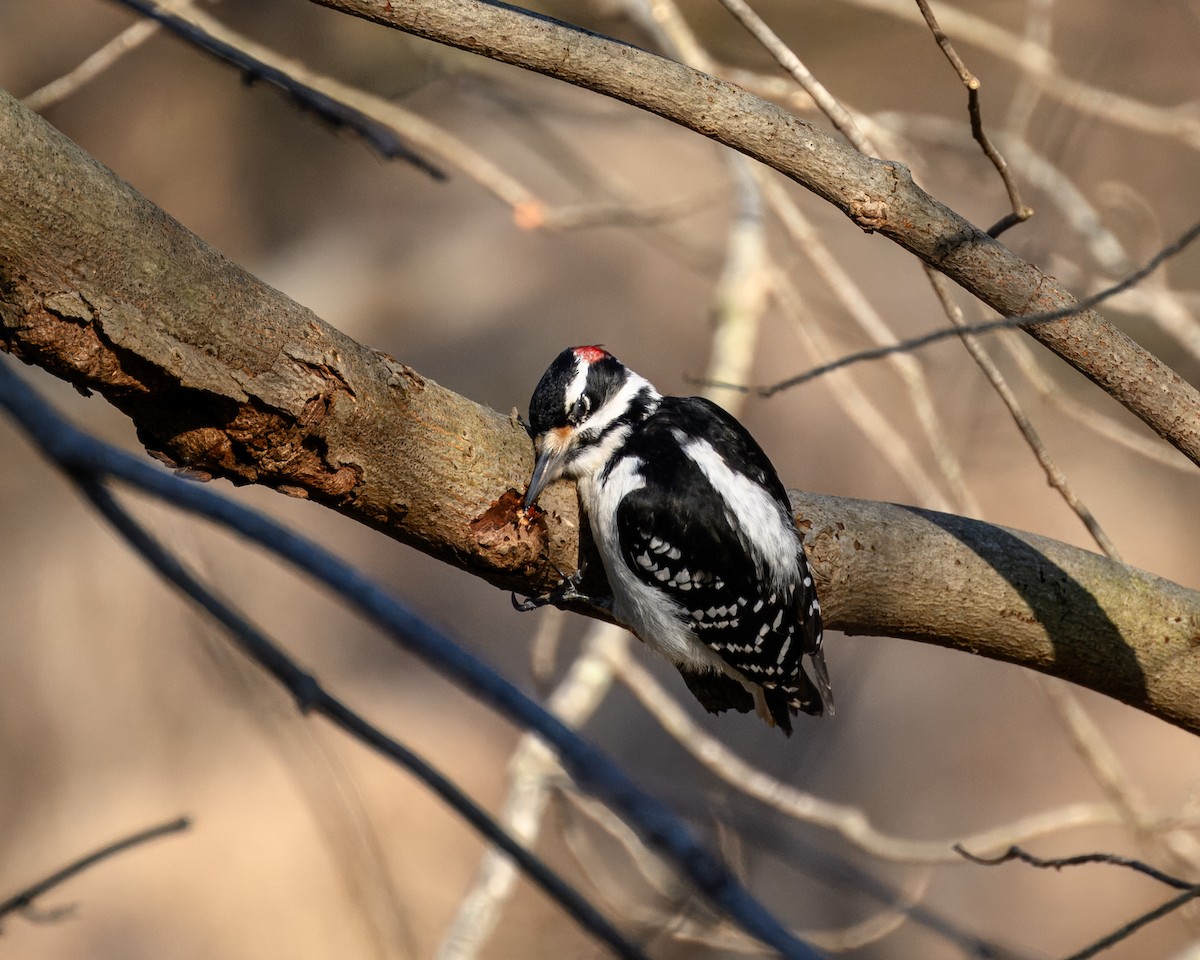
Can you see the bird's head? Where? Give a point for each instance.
(580, 411)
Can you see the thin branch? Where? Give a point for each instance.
(1054, 474)
(1190, 891)
(740, 294)
(1136, 924)
(879, 925)
(1098, 756)
(849, 822)
(1170, 309)
(24, 899)
(1039, 24)
(856, 303)
(531, 773)
(987, 326)
(58, 90)
(1138, 442)
(1057, 863)
(1178, 122)
(1020, 211)
(379, 137)
(786, 58)
(310, 696)
(588, 766)
(318, 770)
(846, 391)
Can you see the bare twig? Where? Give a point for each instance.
(849, 822)
(987, 326)
(1054, 474)
(786, 58)
(1020, 211)
(740, 296)
(877, 926)
(1190, 891)
(1178, 122)
(1173, 311)
(1038, 33)
(532, 772)
(1113, 430)
(856, 303)
(58, 90)
(1136, 924)
(891, 445)
(380, 137)
(656, 905)
(23, 900)
(1057, 863)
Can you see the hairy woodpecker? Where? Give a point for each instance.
(695, 532)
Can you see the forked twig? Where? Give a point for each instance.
(1020, 210)
(1190, 891)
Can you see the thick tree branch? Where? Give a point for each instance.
(879, 196)
(226, 377)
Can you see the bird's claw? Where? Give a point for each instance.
(566, 591)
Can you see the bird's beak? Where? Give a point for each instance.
(551, 448)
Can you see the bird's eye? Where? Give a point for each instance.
(579, 412)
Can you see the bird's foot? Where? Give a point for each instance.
(566, 592)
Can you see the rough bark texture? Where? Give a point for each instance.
(224, 376)
(879, 196)
(900, 571)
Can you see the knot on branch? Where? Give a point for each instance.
(870, 213)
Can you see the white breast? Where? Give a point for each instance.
(650, 614)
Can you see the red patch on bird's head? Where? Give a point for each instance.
(591, 354)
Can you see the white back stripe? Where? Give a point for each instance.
(755, 515)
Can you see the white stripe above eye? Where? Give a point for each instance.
(756, 516)
(617, 405)
(578, 383)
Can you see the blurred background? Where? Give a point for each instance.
(120, 707)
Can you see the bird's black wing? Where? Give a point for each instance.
(676, 535)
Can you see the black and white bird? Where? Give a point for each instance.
(695, 532)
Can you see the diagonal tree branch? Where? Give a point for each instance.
(879, 196)
(226, 377)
